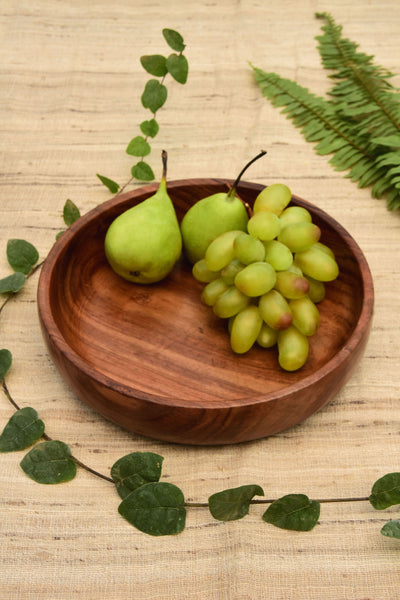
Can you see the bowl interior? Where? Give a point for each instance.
(159, 342)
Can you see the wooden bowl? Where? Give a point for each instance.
(156, 361)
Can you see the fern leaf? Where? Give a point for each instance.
(359, 125)
(318, 123)
(362, 91)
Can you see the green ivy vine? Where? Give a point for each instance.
(154, 96)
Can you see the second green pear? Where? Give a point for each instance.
(143, 244)
(210, 217)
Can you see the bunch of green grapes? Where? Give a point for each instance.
(267, 282)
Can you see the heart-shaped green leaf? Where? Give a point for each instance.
(12, 283)
(138, 147)
(392, 529)
(22, 430)
(149, 128)
(155, 64)
(49, 462)
(178, 67)
(233, 503)
(154, 95)
(386, 491)
(110, 184)
(5, 362)
(294, 511)
(136, 469)
(155, 508)
(21, 255)
(142, 171)
(71, 213)
(174, 39)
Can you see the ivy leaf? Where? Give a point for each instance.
(174, 39)
(142, 171)
(134, 470)
(5, 362)
(155, 64)
(113, 186)
(178, 67)
(386, 491)
(392, 529)
(154, 95)
(294, 511)
(70, 213)
(138, 147)
(234, 503)
(155, 508)
(21, 255)
(49, 462)
(22, 430)
(12, 283)
(149, 128)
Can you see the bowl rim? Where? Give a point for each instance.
(55, 335)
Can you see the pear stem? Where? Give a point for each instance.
(238, 178)
(164, 158)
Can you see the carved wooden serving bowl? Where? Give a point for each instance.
(156, 361)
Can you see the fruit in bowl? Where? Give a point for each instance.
(157, 361)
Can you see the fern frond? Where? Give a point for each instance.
(319, 123)
(362, 92)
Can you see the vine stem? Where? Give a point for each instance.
(146, 137)
(47, 438)
(187, 504)
(270, 501)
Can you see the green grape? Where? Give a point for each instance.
(221, 251)
(267, 336)
(264, 225)
(305, 314)
(275, 310)
(295, 269)
(256, 279)
(317, 264)
(248, 249)
(278, 255)
(299, 236)
(294, 214)
(202, 273)
(274, 198)
(245, 329)
(229, 272)
(291, 285)
(317, 290)
(213, 290)
(230, 303)
(293, 349)
(325, 248)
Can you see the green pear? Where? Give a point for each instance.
(143, 243)
(210, 217)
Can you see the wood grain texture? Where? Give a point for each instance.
(69, 104)
(156, 361)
